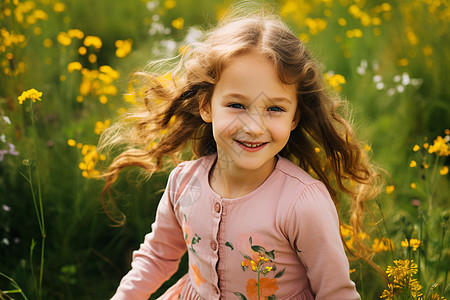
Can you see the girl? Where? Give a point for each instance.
(249, 102)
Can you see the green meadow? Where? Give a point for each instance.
(65, 70)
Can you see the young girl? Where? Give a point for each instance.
(249, 102)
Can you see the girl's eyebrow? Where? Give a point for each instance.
(245, 98)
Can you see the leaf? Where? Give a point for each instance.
(196, 239)
(228, 244)
(250, 240)
(240, 296)
(192, 249)
(259, 249)
(245, 256)
(273, 297)
(274, 268)
(270, 255)
(279, 274)
(244, 268)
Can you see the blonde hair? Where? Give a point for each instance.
(166, 120)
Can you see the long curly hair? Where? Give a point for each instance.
(166, 118)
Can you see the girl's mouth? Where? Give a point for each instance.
(249, 146)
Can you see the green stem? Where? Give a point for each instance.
(29, 179)
(259, 296)
(40, 213)
(432, 185)
(15, 285)
(386, 228)
(444, 230)
(421, 241)
(33, 194)
(33, 274)
(36, 149)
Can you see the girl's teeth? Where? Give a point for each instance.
(251, 145)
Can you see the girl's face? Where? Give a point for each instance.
(252, 113)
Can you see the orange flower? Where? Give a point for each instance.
(267, 287)
(198, 278)
(187, 233)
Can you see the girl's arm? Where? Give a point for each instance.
(313, 229)
(158, 256)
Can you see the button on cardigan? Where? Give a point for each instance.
(283, 237)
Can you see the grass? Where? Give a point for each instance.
(393, 55)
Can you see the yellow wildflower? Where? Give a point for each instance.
(178, 23)
(355, 11)
(367, 147)
(403, 268)
(74, 66)
(315, 25)
(413, 164)
(32, 94)
(123, 47)
(92, 58)
(64, 39)
(439, 147)
(75, 33)
(403, 62)
(386, 6)
(109, 71)
(71, 142)
(48, 43)
(354, 33)
(444, 171)
(342, 22)
(412, 243)
(82, 50)
(169, 4)
(91, 40)
(59, 7)
(427, 50)
(412, 38)
(389, 189)
(335, 80)
(416, 148)
(401, 276)
(37, 31)
(383, 244)
(103, 99)
(100, 126)
(413, 185)
(90, 161)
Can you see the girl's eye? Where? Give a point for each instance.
(236, 105)
(276, 108)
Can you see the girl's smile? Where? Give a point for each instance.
(251, 147)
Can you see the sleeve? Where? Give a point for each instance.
(159, 255)
(313, 230)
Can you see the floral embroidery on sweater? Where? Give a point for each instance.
(260, 262)
(190, 242)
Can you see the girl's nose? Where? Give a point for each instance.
(253, 124)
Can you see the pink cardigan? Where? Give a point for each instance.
(286, 233)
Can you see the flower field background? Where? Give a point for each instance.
(65, 71)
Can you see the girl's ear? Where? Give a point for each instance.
(205, 113)
(296, 120)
